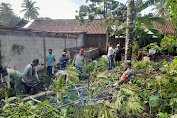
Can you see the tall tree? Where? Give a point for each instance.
(31, 12)
(7, 16)
(6, 7)
(172, 5)
(129, 30)
(160, 9)
(109, 10)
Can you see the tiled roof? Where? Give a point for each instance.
(94, 27)
(168, 28)
(68, 25)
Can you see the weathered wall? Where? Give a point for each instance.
(33, 48)
(99, 41)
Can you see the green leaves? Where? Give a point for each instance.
(45, 102)
(154, 100)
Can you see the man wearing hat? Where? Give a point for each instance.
(10, 77)
(79, 61)
(118, 52)
(127, 75)
(64, 59)
(28, 74)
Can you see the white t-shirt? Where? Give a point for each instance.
(110, 51)
(152, 52)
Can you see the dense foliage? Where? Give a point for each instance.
(151, 94)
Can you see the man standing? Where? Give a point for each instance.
(110, 56)
(64, 59)
(79, 61)
(28, 74)
(50, 60)
(118, 52)
(10, 78)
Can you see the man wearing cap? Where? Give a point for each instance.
(10, 77)
(127, 75)
(50, 60)
(64, 59)
(79, 61)
(110, 56)
(28, 74)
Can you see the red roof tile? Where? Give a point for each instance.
(94, 27)
(168, 28)
(68, 25)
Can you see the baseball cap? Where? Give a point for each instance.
(82, 50)
(128, 62)
(63, 53)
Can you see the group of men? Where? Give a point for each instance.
(10, 77)
(128, 73)
(117, 53)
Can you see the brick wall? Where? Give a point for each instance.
(33, 48)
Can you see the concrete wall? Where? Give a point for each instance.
(33, 48)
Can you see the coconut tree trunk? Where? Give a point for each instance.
(129, 30)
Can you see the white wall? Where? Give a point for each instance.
(33, 48)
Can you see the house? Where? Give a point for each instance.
(19, 46)
(95, 31)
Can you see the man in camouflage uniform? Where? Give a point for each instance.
(128, 74)
(11, 78)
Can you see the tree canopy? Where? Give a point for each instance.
(7, 16)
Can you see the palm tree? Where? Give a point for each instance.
(160, 9)
(129, 30)
(6, 8)
(31, 12)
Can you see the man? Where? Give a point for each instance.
(151, 54)
(110, 56)
(127, 75)
(118, 56)
(79, 61)
(10, 78)
(50, 60)
(64, 59)
(28, 74)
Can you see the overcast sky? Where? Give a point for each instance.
(55, 9)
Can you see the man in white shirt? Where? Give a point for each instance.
(110, 56)
(152, 54)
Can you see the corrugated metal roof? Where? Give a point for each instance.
(44, 33)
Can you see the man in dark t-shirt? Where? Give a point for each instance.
(64, 59)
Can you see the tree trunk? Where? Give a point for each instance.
(107, 39)
(129, 30)
(38, 95)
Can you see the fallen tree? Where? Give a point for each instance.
(38, 95)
